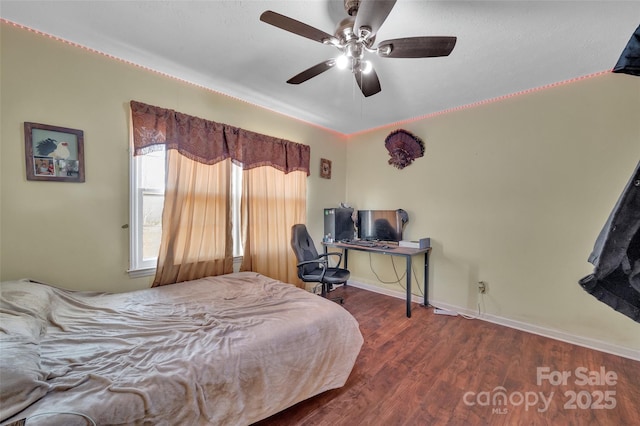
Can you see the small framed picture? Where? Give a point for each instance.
(54, 153)
(325, 168)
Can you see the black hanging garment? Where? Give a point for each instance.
(629, 62)
(616, 255)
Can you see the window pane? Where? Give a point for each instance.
(151, 224)
(153, 169)
(236, 193)
(147, 200)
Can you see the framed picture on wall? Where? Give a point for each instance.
(54, 153)
(325, 168)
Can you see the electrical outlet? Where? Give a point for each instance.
(482, 287)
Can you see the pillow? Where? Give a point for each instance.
(19, 324)
(22, 381)
(24, 308)
(26, 297)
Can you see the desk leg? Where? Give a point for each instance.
(346, 262)
(408, 286)
(426, 279)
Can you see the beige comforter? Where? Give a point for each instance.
(221, 350)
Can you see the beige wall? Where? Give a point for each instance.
(513, 193)
(71, 234)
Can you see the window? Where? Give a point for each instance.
(147, 198)
(146, 202)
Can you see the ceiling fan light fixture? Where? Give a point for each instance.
(366, 67)
(354, 49)
(342, 62)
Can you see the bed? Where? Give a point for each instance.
(226, 350)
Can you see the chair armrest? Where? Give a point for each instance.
(306, 262)
(332, 253)
(323, 265)
(323, 258)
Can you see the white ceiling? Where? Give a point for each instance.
(503, 47)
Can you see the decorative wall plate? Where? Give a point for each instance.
(325, 168)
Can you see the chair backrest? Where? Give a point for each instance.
(303, 247)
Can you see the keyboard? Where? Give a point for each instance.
(371, 244)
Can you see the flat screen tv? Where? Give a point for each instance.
(381, 225)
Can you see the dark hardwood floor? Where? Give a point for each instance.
(441, 370)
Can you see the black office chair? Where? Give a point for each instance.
(313, 267)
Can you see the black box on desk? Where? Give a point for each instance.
(422, 243)
(338, 223)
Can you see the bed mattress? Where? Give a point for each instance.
(231, 349)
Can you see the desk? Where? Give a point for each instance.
(405, 252)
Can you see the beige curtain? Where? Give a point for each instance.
(196, 229)
(272, 202)
(196, 225)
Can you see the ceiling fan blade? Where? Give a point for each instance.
(296, 27)
(372, 13)
(312, 72)
(416, 47)
(369, 82)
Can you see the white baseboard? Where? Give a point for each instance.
(387, 292)
(563, 336)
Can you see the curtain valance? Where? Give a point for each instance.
(209, 142)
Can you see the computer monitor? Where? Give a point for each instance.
(339, 223)
(381, 225)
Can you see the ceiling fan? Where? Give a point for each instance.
(356, 35)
